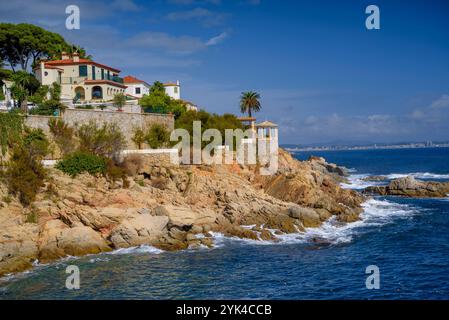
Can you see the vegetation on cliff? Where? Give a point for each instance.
(157, 101)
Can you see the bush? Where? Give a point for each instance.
(157, 136)
(208, 121)
(104, 141)
(24, 175)
(47, 108)
(115, 173)
(79, 162)
(160, 183)
(11, 126)
(36, 143)
(63, 135)
(132, 164)
(138, 137)
(85, 107)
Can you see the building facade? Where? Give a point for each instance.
(173, 90)
(136, 88)
(81, 80)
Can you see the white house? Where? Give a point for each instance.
(135, 87)
(173, 90)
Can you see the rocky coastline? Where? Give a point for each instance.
(410, 187)
(172, 208)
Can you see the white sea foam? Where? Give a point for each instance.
(376, 213)
(355, 181)
(139, 249)
(418, 175)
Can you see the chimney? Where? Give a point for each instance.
(177, 83)
(65, 56)
(76, 57)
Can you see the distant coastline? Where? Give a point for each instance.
(413, 145)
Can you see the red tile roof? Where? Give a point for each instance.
(67, 62)
(112, 83)
(131, 79)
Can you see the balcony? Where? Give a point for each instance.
(80, 80)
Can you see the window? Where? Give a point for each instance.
(102, 74)
(83, 71)
(176, 89)
(137, 90)
(93, 73)
(46, 73)
(108, 76)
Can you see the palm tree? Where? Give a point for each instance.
(249, 102)
(119, 101)
(22, 81)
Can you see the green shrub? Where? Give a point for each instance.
(115, 173)
(157, 136)
(47, 108)
(208, 121)
(105, 141)
(63, 135)
(11, 126)
(24, 175)
(85, 106)
(138, 137)
(79, 162)
(36, 143)
(32, 217)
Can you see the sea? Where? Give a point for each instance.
(405, 242)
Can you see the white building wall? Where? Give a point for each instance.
(173, 91)
(131, 89)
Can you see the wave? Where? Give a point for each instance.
(138, 249)
(418, 175)
(332, 232)
(355, 181)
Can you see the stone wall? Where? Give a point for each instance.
(126, 121)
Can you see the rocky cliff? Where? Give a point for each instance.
(168, 207)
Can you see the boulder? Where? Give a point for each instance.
(308, 216)
(410, 187)
(143, 229)
(184, 216)
(80, 241)
(18, 248)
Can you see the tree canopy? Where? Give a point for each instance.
(249, 102)
(159, 102)
(23, 44)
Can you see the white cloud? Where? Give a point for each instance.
(204, 16)
(217, 39)
(125, 5)
(167, 42)
(174, 44)
(442, 102)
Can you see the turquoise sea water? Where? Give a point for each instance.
(408, 239)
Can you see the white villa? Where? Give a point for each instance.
(81, 80)
(136, 88)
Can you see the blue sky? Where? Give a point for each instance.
(322, 75)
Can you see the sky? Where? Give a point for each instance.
(322, 75)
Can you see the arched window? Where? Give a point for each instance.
(80, 93)
(97, 92)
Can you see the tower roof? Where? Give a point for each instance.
(266, 124)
